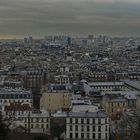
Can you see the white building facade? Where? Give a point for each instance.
(36, 122)
(87, 125)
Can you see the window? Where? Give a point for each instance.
(87, 128)
(25, 125)
(37, 120)
(31, 125)
(47, 126)
(82, 128)
(118, 104)
(99, 128)
(31, 119)
(70, 120)
(93, 135)
(76, 128)
(25, 119)
(42, 120)
(46, 120)
(99, 136)
(88, 135)
(82, 135)
(93, 128)
(37, 126)
(99, 121)
(93, 121)
(70, 135)
(42, 126)
(106, 121)
(112, 110)
(76, 135)
(106, 128)
(87, 121)
(106, 135)
(82, 121)
(70, 127)
(112, 104)
(76, 120)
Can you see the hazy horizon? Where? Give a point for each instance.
(19, 18)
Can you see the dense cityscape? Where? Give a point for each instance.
(70, 88)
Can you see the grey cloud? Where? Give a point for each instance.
(40, 17)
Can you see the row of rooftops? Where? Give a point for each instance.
(121, 96)
(115, 97)
(68, 87)
(14, 91)
(134, 84)
(59, 87)
(106, 84)
(98, 114)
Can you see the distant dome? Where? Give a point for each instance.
(83, 81)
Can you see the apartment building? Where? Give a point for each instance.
(57, 97)
(36, 122)
(8, 96)
(87, 125)
(114, 102)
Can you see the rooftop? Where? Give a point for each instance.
(99, 114)
(134, 84)
(105, 83)
(115, 97)
(14, 91)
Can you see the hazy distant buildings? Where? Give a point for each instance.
(28, 40)
(68, 41)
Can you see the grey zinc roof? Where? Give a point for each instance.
(134, 84)
(105, 83)
(14, 91)
(99, 114)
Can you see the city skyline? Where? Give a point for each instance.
(21, 18)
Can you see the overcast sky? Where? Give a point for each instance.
(20, 18)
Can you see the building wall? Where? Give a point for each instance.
(13, 96)
(87, 128)
(62, 79)
(111, 106)
(98, 78)
(89, 108)
(55, 101)
(37, 124)
(108, 87)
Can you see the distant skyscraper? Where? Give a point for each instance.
(30, 39)
(90, 37)
(25, 40)
(68, 40)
